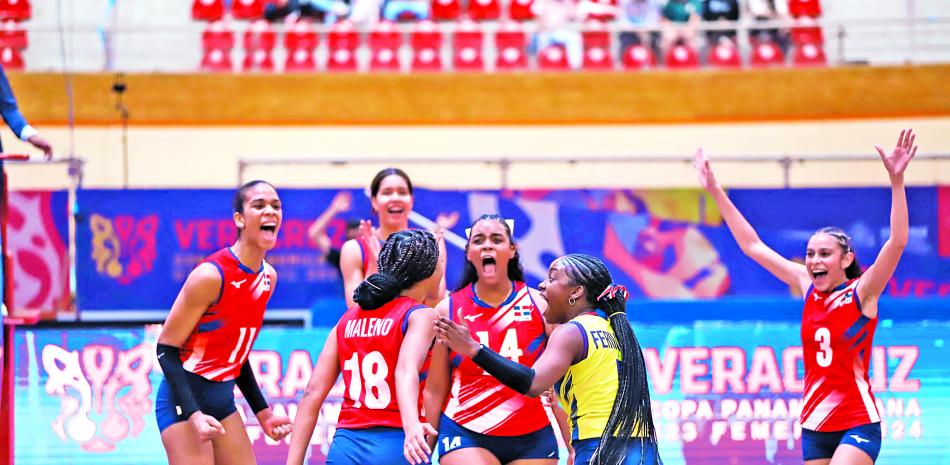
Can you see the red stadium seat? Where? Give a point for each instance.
(12, 36)
(467, 46)
(216, 60)
(207, 10)
(342, 42)
(597, 48)
(384, 43)
(511, 43)
(301, 36)
(17, 10)
(484, 10)
(553, 58)
(809, 55)
(259, 36)
(767, 54)
(300, 60)
(800, 8)
(605, 11)
(11, 59)
(446, 10)
(807, 35)
(637, 56)
(217, 36)
(248, 9)
(426, 43)
(258, 60)
(724, 55)
(520, 10)
(682, 56)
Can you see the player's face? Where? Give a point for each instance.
(826, 262)
(557, 289)
(262, 216)
(490, 250)
(393, 201)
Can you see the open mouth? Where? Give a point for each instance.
(488, 265)
(396, 210)
(269, 227)
(819, 273)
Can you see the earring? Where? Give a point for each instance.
(572, 301)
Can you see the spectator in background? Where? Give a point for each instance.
(680, 18)
(642, 14)
(15, 120)
(317, 232)
(720, 11)
(558, 22)
(406, 10)
(769, 10)
(317, 10)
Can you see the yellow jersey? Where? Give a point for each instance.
(588, 389)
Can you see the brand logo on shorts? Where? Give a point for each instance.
(858, 439)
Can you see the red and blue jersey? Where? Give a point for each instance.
(836, 343)
(369, 262)
(514, 329)
(223, 338)
(368, 344)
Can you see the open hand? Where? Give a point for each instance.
(900, 157)
(368, 233)
(456, 337)
(416, 448)
(341, 201)
(706, 177)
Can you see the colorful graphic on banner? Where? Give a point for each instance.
(723, 392)
(37, 233)
(136, 247)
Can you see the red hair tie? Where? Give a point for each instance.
(612, 290)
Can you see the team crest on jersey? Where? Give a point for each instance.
(522, 312)
(844, 299)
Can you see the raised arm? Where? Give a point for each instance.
(412, 354)
(791, 273)
(879, 273)
(322, 380)
(317, 232)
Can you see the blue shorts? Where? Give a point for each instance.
(820, 445)
(215, 398)
(377, 446)
(540, 444)
(638, 452)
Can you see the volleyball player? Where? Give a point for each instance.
(391, 196)
(204, 344)
(379, 345)
(485, 422)
(840, 421)
(593, 357)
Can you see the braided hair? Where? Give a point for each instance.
(407, 258)
(470, 274)
(631, 413)
(844, 242)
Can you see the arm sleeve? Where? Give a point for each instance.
(8, 107)
(169, 358)
(511, 374)
(247, 383)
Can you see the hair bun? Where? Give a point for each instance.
(376, 290)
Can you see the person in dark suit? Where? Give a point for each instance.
(15, 120)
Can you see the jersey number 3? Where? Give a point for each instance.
(372, 373)
(824, 354)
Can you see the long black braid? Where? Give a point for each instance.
(470, 274)
(407, 257)
(631, 414)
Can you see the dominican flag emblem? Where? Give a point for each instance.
(266, 283)
(522, 312)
